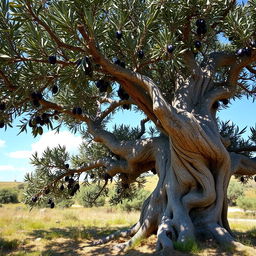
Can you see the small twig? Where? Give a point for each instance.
(252, 70)
(112, 107)
(244, 149)
(247, 90)
(142, 125)
(98, 195)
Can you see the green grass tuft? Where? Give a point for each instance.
(187, 246)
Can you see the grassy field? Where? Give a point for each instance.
(49, 232)
(54, 232)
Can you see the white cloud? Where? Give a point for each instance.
(7, 168)
(20, 154)
(2, 143)
(51, 140)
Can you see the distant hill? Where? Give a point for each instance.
(10, 184)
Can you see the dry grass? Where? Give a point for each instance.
(10, 184)
(66, 232)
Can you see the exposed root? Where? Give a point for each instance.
(165, 234)
(121, 247)
(221, 235)
(125, 233)
(143, 232)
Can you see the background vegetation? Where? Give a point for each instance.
(51, 232)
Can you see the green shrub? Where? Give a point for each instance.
(136, 203)
(246, 203)
(235, 190)
(8, 196)
(87, 193)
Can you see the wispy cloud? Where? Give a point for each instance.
(4, 168)
(2, 143)
(51, 140)
(7, 168)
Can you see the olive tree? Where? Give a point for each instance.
(75, 63)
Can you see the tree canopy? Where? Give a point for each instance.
(76, 63)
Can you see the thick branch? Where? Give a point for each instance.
(132, 82)
(242, 165)
(220, 91)
(236, 63)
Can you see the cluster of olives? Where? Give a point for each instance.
(50, 202)
(39, 121)
(77, 111)
(246, 51)
(242, 179)
(118, 62)
(2, 108)
(107, 177)
(216, 104)
(52, 59)
(153, 170)
(123, 95)
(36, 97)
(72, 185)
(102, 85)
(201, 27)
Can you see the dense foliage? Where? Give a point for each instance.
(76, 63)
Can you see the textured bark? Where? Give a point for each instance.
(194, 169)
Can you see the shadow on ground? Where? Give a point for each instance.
(76, 241)
(247, 238)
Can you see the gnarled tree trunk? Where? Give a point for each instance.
(194, 169)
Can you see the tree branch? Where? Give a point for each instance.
(138, 86)
(112, 107)
(251, 69)
(236, 63)
(142, 125)
(86, 167)
(23, 59)
(220, 91)
(244, 88)
(51, 105)
(245, 149)
(60, 43)
(242, 165)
